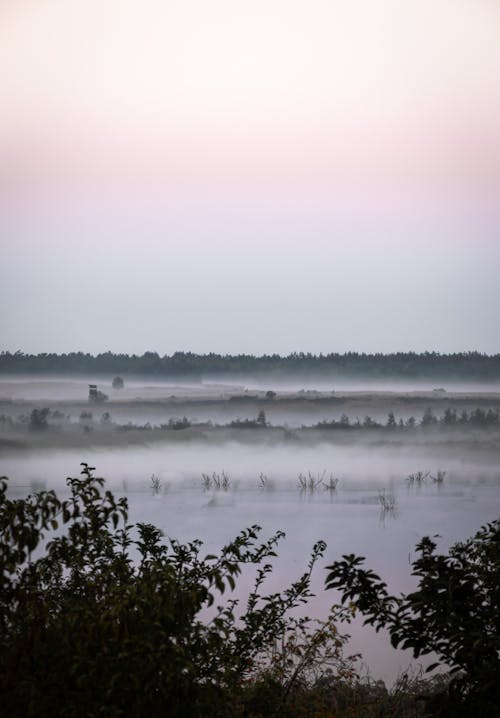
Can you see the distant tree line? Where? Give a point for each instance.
(462, 365)
(41, 419)
(450, 418)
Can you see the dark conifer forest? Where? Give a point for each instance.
(460, 366)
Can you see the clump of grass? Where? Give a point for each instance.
(439, 477)
(155, 483)
(387, 501)
(418, 478)
(216, 481)
(311, 482)
(331, 484)
(221, 481)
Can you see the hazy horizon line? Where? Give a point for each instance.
(299, 353)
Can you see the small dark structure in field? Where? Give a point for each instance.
(96, 396)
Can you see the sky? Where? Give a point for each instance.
(258, 177)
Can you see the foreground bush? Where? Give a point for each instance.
(454, 613)
(108, 619)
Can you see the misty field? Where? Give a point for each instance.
(206, 460)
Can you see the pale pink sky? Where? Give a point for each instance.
(374, 91)
(230, 138)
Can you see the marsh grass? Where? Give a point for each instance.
(331, 484)
(310, 482)
(418, 478)
(388, 503)
(155, 483)
(216, 481)
(439, 477)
